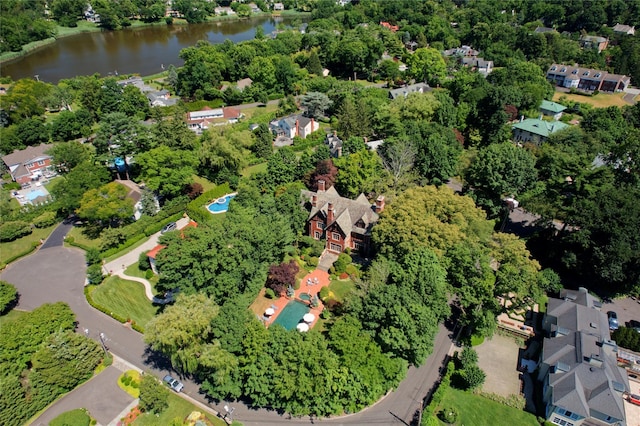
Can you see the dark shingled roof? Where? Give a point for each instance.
(347, 213)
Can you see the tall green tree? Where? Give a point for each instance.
(427, 64)
(165, 170)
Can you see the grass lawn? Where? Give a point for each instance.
(25, 245)
(601, 100)
(12, 315)
(78, 417)
(475, 410)
(178, 409)
(207, 185)
(134, 271)
(261, 303)
(125, 298)
(252, 170)
(339, 289)
(80, 238)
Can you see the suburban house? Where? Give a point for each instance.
(294, 125)
(542, 30)
(29, 164)
(334, 143)
(586, 78)
(224, 10)
(590, 42)
(161, 98)
(536, 130)
(206, 117)
(624, 29)
(278, 6)
(411, 88)
(254, 8)
(552, 109)
(582, 383)
(151, 254)
(392, 28)
(477, 64)
(340, 221)
(461, 51)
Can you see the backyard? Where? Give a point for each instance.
(475, 410)
(601, 100)
(125, 298)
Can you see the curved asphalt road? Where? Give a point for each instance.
(56, 273)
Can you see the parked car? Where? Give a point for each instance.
(634, 324)
(174, 384)
(613, 320)
(171, 226)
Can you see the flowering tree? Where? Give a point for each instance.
(281, 276)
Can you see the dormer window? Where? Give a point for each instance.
(597, 75)
(563, 70)
(585, 73)
(574, 72)
(553, 68)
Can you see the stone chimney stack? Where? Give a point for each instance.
(314, 200)
(379, 203)
(313, 124)
(321, 185)
(330, 212)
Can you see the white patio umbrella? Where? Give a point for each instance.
(269, 311)
(303, 327)
(308, 317)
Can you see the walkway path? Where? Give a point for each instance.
(118, 266)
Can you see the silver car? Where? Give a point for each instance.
(174, 384)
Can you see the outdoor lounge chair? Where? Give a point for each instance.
(274, 307)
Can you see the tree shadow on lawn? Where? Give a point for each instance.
(156, 359)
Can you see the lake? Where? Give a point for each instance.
(142, 50)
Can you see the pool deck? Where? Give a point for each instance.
(323, 281)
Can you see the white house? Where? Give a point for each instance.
(206, 117)
(294, 125)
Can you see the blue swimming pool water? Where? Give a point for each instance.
(220, 205)
(292, 314)
(32, 195)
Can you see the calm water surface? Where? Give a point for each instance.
(133, 50)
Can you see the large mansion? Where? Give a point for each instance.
(340, 221)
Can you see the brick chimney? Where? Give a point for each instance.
(379, 203)
(330, 213)
(313, 125)
(314, 200)
(321, 187)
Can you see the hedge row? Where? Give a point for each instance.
(87, 293)
(195, 209)
(438, 395)
(71, 241)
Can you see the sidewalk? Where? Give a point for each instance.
(117, 266)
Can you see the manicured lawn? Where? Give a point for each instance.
(134, 271)
(339, 289)
(252, 170)
(80, 238)
(125, 298)
(178, 409)
(601, 100)
(12, 315)
(25, 245)
(207, 185)
(475, 410)
(77, 417)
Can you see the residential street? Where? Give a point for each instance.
(56, 273)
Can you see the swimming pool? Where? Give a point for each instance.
(32, 195)
(221, 205)
(292, 314)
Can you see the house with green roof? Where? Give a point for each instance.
(536, 130)
(552, 109)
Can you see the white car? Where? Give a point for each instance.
(174, 384)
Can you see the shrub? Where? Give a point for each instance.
(313, 262)
(112, 237)
(269, 293)
(92, 255)
(352, 270)
(448, 415)
(340, 265)
(94, 274)
(10, 231)
(148, 274)
(8, 296)
(474, 377)
(143, 261)
(45, 219)
(324, 293)
(153, 395)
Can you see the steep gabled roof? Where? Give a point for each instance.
(27, 155)
(347, 212)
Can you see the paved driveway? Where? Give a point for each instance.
(100, 395)
(55, 273)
